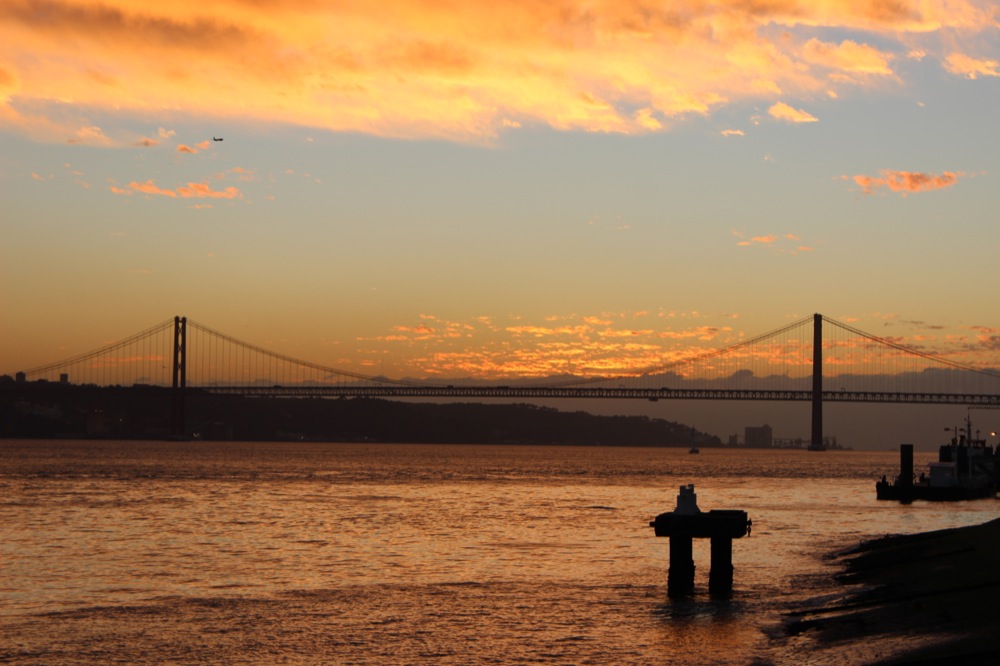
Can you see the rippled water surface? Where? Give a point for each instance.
(151, 552)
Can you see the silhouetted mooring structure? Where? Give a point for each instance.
(686, 523)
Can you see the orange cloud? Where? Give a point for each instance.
(90, 135)
(609, 333)
(699, 332)
(237, 173)
(785, 244)
(423, 330)
(847, 57)
(462, 70)
(183, 148)
(583, 345)
(971, 68)
(546, 331)
(782, 111)
(8, 83)
(906, 181)
(192, 190)
(645, 118)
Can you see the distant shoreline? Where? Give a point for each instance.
(69, 412)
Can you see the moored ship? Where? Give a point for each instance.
(967, 468)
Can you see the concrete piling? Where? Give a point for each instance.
(686, 523)
(720, 576)
(680, 574)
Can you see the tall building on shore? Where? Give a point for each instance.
(758, 437)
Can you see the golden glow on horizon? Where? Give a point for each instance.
(610, 344)
(605, 345)
(459, 70)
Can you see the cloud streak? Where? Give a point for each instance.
(462, 70)
(782, 111)
(190, 191)
(906, 182)
(786, 243)
(195, 149)
(971, 68)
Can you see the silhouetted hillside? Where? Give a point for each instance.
(52, 411)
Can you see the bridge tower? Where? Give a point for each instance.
(180, 377)
(817, 385)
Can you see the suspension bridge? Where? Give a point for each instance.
(815, 359)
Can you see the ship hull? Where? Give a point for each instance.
(900, 493)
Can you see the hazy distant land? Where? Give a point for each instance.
(61, 411)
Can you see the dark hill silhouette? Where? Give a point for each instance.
(42, 410)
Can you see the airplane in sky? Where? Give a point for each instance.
(214, 139)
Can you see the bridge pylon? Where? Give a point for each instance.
(177, 424)
(817, 385)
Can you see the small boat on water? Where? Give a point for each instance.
(967, 468)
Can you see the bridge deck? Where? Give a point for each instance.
(621, 393)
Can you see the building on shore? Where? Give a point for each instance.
(762, 437)
(758, 437)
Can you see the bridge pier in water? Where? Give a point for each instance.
(686, 523)
(177, 416)
(817, 386)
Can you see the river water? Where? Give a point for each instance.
(309, 553)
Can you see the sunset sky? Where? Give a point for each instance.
(457, 188)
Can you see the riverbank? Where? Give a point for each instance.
(928, 598)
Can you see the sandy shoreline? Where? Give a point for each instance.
(925, 598)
